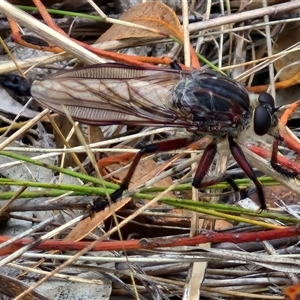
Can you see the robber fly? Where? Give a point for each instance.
(202, 102)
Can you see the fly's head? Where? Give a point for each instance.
(264, 118)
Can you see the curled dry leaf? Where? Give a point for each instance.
(154, 15)
(272, 193)
(122, 5)
(288, 37)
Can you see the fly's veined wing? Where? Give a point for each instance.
(113, 94)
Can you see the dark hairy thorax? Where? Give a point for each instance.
(216, 103)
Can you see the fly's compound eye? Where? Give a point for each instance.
(265, 99)
(261, 120)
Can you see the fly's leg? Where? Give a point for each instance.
(240, 158)
(208, 183)
(276, 166)
(204, 164)
(203, 167)
(152, 148)
(232, 183)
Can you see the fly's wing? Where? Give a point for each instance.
(113, 94)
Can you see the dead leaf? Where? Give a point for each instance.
(122, 5)
(288, 37)
(13, 287)
(155, 15)
(282, 192)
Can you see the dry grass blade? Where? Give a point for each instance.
(48, 33)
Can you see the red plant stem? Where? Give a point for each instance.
(151, 243)
(291, 165)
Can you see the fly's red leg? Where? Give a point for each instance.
(204, 164)
(209, 152)
(240, 158)
(203, 167)
(152, 148)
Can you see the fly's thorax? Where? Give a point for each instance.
(203, 88)
(214, 102)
